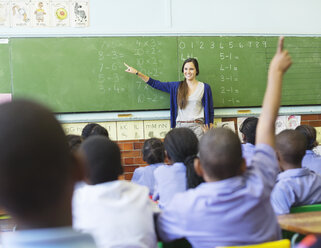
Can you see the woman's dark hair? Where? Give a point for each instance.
(153, 151)
(183, 87)
(181, 145)
(248, 128)
(311, 135)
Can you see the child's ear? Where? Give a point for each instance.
(198, 168)
(168, 158)
(243, 166)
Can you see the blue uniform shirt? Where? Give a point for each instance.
(169, 180)
(145, 176)
(295, 187)
(312, 161)
(248, 152)
(230, 212)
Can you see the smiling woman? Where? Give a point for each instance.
(191, 101)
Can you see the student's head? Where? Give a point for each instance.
(248, 129)
(87, 130)
(74, 141)
(181, 145)
(153, 151)
(99, 130)
(290, 148)
(310, 134)
(192, 61)
(102, 159)
(37, 170)
(221, 154)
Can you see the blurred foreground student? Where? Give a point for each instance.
(233, 206)
(310, 160)
(117, 213)
(154, 154)
(37, 177)
(295, 186)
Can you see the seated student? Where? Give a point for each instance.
(248, 130)
(74, 141)
(154, 154)
(94, 129)
(37, 177)
(310, 160)
(295, 186)
(117, 213)
(233, 206)
(181, 147)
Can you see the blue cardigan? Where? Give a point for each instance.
(172, 89)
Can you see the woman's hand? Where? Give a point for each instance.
(130, 69)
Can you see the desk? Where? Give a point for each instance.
(303, 223)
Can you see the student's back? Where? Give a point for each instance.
(117, 213)
(37, 177)
(232, 207)
(311, 160)
(295, 186)
(154, 154)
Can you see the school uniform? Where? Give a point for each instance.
(312, 161)
(117, 214)
(230, 212)
(248, 152)
(295, 187)
(169, 180)
(145, 176)
(61, 237)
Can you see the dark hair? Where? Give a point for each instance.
(35, 161)
(220, 153)
(74, 141)
(248, 128)
(103, 159)
(182, 93)
(310, 134)
(181, 145)
(87, 130)
(291, 146)
(99, 130)
(153, 151)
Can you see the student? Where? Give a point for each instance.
(74, 141)
(191, 102)
(233, 206)
(295, 186)
(37, 178)
(181, 147)
(310, 160)
(154, 154)
(94, 129)
(248, 130)
(117, 213)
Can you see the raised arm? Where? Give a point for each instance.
(134, 71)
(265, 132)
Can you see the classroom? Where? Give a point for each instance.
(78, 70)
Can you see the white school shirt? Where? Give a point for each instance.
(194, 108)
(117, 214)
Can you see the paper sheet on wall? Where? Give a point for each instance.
(130, 130)
(226, 124)
(156, 129)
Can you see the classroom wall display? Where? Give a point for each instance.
(82, 74)
(44, 13)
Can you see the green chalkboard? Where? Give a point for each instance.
(87, 74)
(5, 73)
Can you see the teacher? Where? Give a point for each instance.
(191, 101)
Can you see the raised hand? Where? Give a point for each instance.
(281, 60)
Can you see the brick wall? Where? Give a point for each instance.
(132, 155)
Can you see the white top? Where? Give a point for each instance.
(117, 214)
(62, 237)
(194, 108)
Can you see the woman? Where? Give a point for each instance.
(191, 102)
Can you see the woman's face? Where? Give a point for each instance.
(189, 71)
